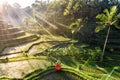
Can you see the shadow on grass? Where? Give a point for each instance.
(67, 60)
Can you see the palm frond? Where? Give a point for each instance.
(113, 11)
(106, 12)
(102, 17)
(99, 28)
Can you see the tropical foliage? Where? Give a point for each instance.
(107, 19)
(78, 52)
(67, 31)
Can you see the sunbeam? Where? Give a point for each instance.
(15, 15)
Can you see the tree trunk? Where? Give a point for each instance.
(101, 59)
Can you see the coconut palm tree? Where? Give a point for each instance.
(107, 19)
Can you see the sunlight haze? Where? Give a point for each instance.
(23, 3)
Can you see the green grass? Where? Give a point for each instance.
(86, 69)
(38, 74)
(69, 64)
(21, 58)
(41, 73)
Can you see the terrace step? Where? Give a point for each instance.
(9, 30)
(5, 27)
(12, 35)
(19, 40)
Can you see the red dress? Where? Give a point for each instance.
(58, 67)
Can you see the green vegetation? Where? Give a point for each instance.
(107, 19)
(78, 52)
(70, 31)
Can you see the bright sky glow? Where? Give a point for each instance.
(23, 3)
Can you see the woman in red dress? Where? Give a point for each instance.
(58, 66)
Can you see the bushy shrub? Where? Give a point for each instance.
(78, 52)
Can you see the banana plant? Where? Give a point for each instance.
(109, 18)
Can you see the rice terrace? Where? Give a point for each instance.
(59, 40)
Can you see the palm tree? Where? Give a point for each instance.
(107, 19)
